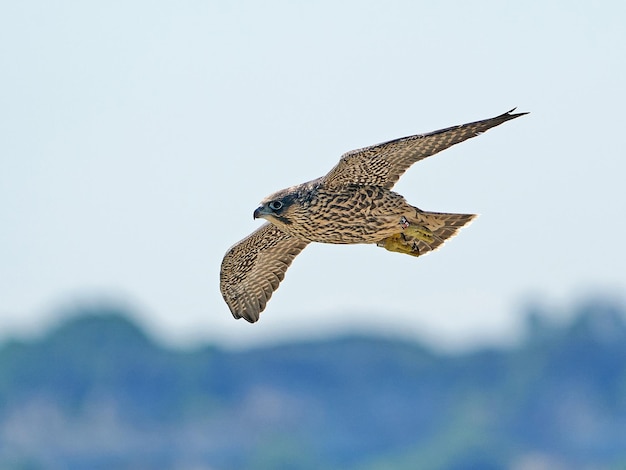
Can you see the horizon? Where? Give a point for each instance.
(557, 318)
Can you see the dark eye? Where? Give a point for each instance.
(275, 205)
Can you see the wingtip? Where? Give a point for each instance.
(508, 113)
(245, 316)
(238, 312)
(250, 319)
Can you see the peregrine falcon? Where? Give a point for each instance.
(353, 203)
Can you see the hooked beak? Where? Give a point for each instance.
(259, 212)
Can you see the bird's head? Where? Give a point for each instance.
(278, 208)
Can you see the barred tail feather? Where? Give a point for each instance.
(426, 232)
(443, 227)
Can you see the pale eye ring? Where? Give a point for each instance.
(276, 205)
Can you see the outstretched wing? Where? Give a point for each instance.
(253, 268)
(383, 164)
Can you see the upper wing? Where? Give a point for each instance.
(383, 164)
(253, 268)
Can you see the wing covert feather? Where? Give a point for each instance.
(383, 164)
(253, 268)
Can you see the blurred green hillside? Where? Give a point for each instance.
(97, 393)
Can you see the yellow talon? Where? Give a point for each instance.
(400, 244)
(421, 233)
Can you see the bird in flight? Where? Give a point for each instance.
(353, 203)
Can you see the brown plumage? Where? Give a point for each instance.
(353, 203)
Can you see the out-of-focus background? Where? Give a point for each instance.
(138, 137)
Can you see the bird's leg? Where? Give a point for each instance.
(421, 233)
(416, 231)
(405, 241)
(400, 244)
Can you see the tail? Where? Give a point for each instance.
(443, 226)
(426, 232)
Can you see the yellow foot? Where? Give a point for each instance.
(421, 233)
(400, 244)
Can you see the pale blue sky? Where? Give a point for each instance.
(138, 137)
